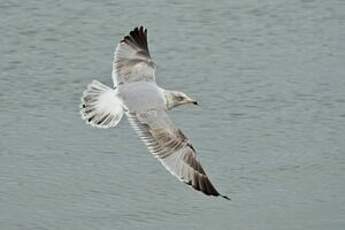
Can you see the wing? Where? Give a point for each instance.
(172, 148)
(132, 60)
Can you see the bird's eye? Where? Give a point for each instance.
(179, 98)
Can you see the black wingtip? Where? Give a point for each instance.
(138, 38)
(225, 197)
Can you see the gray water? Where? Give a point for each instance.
(270, 78)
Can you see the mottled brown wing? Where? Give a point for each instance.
(132, 60)
(172, 148)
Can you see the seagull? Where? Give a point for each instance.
(146, 105)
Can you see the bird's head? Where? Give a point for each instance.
(176, 98)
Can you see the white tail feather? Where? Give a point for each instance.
(100, 106)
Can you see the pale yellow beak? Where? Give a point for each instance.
(191, 101)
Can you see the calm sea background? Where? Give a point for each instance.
(270, 78)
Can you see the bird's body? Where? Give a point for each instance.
(148, 95)
(146, 105)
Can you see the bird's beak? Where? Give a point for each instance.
(195, 102)
(191, 101)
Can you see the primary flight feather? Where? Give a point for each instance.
(137, 94)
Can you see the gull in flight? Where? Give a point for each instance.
(137, 94)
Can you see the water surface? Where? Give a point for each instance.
(269, 76)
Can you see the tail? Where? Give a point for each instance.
(100, 106)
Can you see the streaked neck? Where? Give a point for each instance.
(168, 99)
